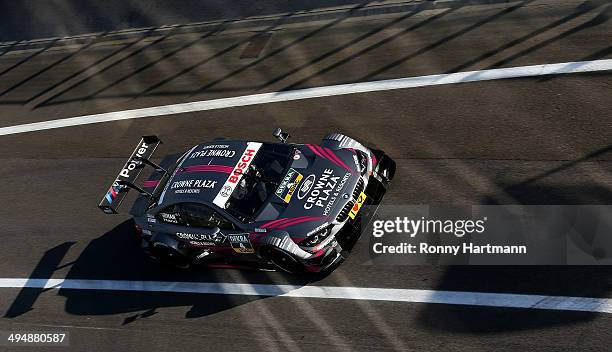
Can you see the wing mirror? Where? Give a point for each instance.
(280, 135)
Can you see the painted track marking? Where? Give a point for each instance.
(503, 300)
(318, 92)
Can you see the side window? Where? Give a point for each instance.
(199, 215)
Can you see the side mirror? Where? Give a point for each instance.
(280, 135)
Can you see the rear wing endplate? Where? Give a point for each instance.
(128, 175)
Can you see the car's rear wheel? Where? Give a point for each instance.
(169, 256)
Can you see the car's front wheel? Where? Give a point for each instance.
(282, 259)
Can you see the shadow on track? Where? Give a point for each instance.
(579, 281)
(26, 298)
(31, 20)
(116, 255)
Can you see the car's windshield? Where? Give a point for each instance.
(259, 181)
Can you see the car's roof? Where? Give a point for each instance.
(204, 171)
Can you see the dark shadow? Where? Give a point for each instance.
(256, 46)
(339, 48)
(601, 18)
(117, 62)
(28, 58)
(578, 281)
(27, 19)
(10, 47)
(26, 298)
(49, 96)
(580, 10)
(116, 255)
(152, 87)
(153, 63)
(479, 321)
(199, 63)
(600, 54)
(94, 64)
(281, 49)
(437, 43)
(47, 68)
(427, 21)
(529, 192)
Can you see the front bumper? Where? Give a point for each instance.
(347, 237)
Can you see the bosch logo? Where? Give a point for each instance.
(241, 167)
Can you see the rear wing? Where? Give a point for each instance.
(128, 175)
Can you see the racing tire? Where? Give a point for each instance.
(169, 256)
(282, 260)
(340, 141)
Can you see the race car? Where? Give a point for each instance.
(236, 203)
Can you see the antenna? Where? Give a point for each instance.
(280, 135)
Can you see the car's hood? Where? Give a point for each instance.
(314, 190)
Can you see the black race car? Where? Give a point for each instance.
(241, 203)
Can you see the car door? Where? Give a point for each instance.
(200, 225)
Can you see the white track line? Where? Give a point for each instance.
(561, 303)
(318, 92)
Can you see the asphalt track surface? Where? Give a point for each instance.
(539, 140)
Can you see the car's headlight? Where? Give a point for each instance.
(317, 238)
(362, 159)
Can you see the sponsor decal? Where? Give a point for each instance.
(133, 164)
(216, 146)
(358, 203)
(292, 188)
(317, 229)
(257, 229)
(306, 186)
(288, 185)
(112, 192)
(187, 191)
(236, 175)
(151, 219)
(326, 191)
(212, 153)
(357, 164)
(240, 243)
(297, 155)
(201, 237)
(226, 191)
(193, 183)
(191, 186)
(169, 218)
(200, 244)
(343, 182)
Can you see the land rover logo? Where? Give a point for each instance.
(306, 186)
